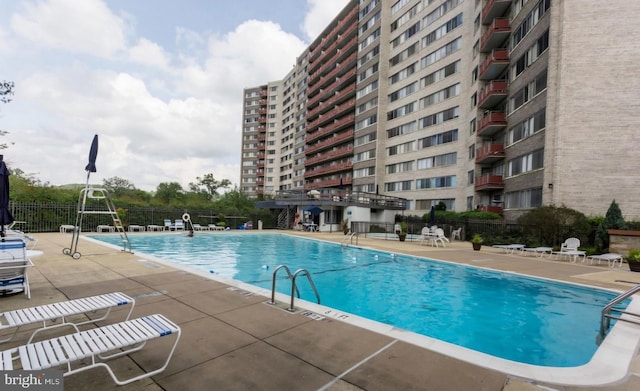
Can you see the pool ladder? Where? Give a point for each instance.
(294, 287)
(608, 310)
(349, 238)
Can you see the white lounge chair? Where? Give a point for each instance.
(198, 227)
(509, 248)
(58, 314)
(105, 228)
(611, 259)
(13, 266)
(167, 224)
(214, 227)
(96, 345)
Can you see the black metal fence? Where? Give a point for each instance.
(48, 217)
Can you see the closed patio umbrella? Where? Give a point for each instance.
(432, 216)
(6, 217)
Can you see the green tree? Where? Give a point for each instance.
(612, 220)
(209, 186)
(169, 192)
(118, 186)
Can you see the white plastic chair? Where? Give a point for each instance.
(456, 233)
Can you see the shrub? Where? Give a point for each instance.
(551, 225)
(612, 220)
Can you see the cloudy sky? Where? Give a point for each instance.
(159, 81)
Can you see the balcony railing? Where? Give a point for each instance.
(491, 208)
(490, 153)
(496, 34)
(491, 123)
(340, 152)
(495, 63)
(328, 169)
(492, 94)
(335, 140)
(494, 9)
(489, 182)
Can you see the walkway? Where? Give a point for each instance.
(233, 340)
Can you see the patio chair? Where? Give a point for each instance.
(426, 237)
(570, 249)
(198, 227)
(456, 233)
(13, 266)
(440, 237)
(167, 224)
(214, 227)
(178, 225)
(64, 313)
(92, 348)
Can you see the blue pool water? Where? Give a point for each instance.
(523, 319)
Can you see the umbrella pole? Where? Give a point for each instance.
(80, 214)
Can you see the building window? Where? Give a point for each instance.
(447, 159)
(397, 186)
(530, 198)
(438, 139)
(436, 183)
(527, 128)
(526, 163)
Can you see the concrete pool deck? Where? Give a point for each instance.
(233, 340)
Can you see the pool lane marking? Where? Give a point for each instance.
(343, 374)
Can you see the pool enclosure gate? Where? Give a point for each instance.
(100, 195)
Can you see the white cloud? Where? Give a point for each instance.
(149, 53)
(86, 26)
(321, 13)
(254, 53)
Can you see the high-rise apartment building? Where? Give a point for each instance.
(501, 105)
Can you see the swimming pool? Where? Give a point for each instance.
(513, 317)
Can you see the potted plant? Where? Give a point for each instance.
(345, 226)
(633, 259)
(477, 241)
(402, 234)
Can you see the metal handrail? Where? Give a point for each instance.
(273, 283)
(605, 320)
(350, 238)
(294, 287)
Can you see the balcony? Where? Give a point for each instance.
(334, 154)
(494, 9)
(491, 123)
(492, 94)
(330, 142)
(491, 208)
(328, 183)
(489, 182)
(490, 153)
(331, 169)
(494, 64)
(497, 33)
